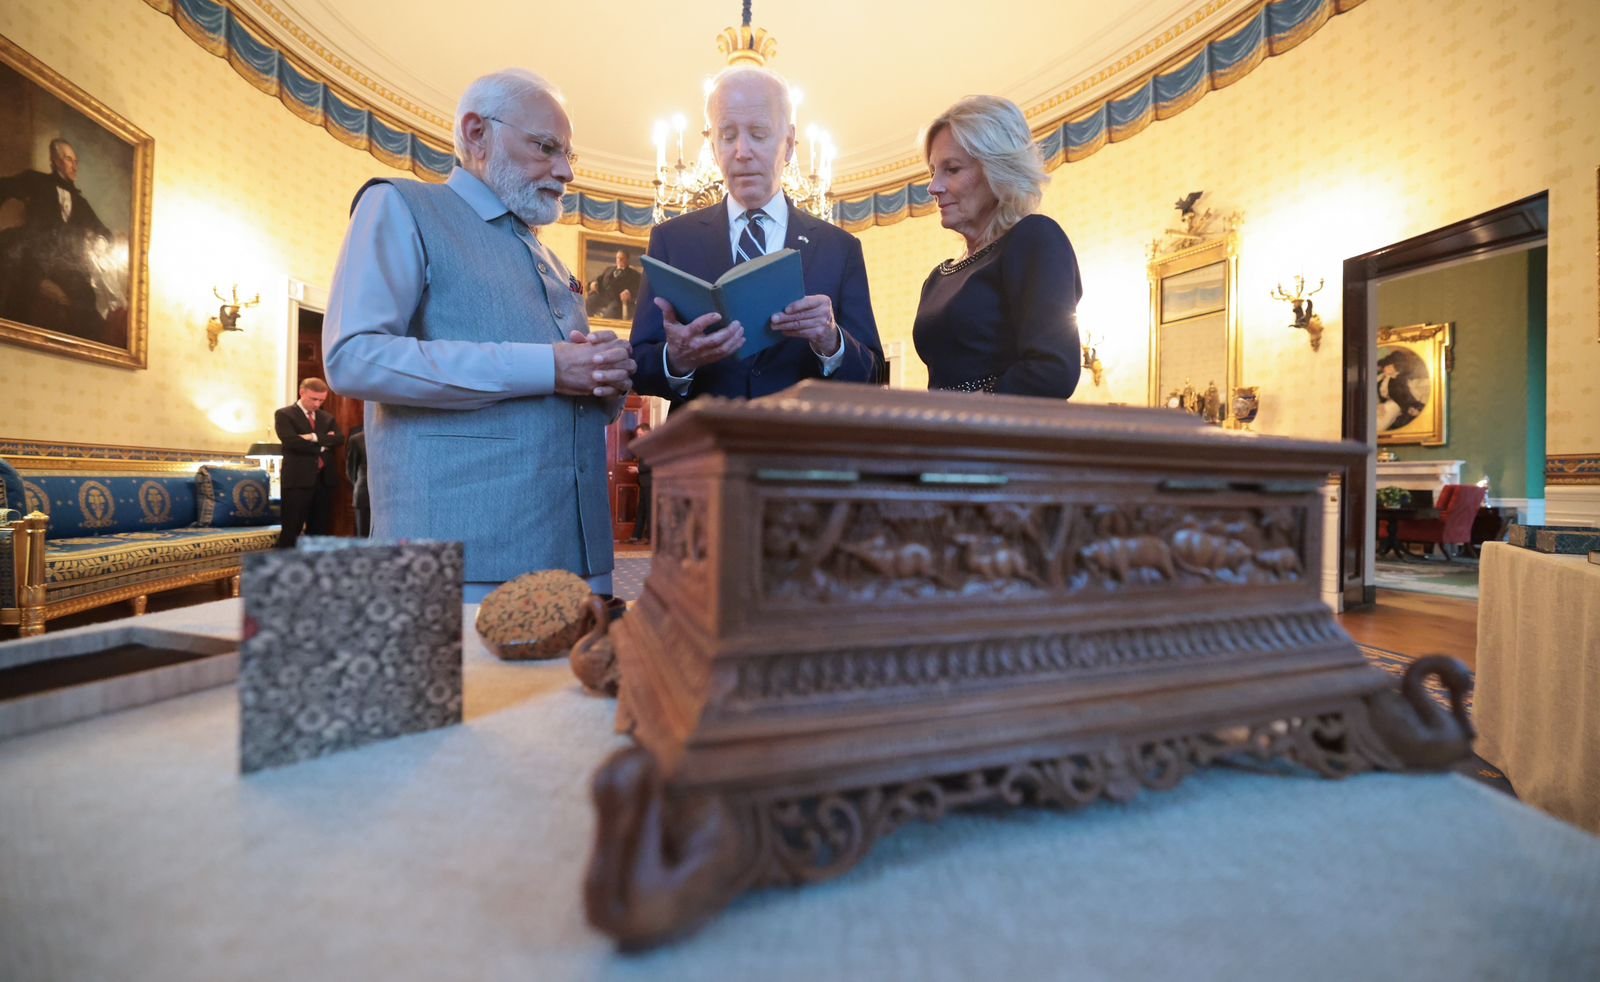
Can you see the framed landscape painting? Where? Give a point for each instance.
(74, 218)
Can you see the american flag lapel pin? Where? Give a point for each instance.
(573, 284)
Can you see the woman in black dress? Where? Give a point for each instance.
(1004, 317)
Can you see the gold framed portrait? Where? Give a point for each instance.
(1413, 375)
(612, 276)
(75, 186)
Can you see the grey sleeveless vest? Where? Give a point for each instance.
(523, 482)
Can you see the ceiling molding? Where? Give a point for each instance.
(222, 30)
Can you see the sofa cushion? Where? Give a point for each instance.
(92, 504)
(230, 496)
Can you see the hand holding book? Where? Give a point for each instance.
(810, 319)
(734, 314)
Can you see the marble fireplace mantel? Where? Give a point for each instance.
(1419, 475)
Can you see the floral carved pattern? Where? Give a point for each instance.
(816, 838)
(669, 857)
(839, 550)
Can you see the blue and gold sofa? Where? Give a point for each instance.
(76, 534)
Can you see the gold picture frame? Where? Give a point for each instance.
(605, 283)
(1194, 327)
(75, 191)
(1413, 372)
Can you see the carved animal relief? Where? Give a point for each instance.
(830, 549)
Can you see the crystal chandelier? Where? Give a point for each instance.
(683, 186)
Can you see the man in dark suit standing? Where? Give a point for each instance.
(309, 436)
(830, 333)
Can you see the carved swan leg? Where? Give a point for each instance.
(593, 658)
(662, 863)
(1420, 732)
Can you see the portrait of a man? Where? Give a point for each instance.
(612, 275)
(72, 235)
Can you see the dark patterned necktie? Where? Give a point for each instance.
(753, 240)
(312, 419)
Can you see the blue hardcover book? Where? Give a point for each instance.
(749, 293)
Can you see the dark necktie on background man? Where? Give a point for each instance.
(753, 240)
(311, 417)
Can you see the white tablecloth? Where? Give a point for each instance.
(1537, 706)
(131, 849)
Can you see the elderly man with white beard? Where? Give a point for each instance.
(487, 397)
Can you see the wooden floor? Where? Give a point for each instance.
(1418, 624)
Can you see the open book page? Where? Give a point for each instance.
(749, 293)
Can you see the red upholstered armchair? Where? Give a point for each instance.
(1458, 505)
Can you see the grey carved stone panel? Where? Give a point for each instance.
(346, 647)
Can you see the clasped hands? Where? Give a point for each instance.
(692, 345)
(598, 364)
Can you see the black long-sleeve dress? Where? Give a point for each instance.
(1005, 319)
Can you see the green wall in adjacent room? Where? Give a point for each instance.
(1496, 408)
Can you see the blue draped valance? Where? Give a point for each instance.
(1218, 60)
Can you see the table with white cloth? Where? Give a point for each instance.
(130, 848)
(1537, 706)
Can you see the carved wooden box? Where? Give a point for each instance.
(871, 605)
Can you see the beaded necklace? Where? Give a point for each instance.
(951, 265)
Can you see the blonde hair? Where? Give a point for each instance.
(995, 133)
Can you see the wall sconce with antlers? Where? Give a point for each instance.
(1091, 358)
(1300, 300)
(227, 318)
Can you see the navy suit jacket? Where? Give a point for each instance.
(300, 456)
(698, 243)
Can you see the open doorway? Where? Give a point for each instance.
(1482, 280)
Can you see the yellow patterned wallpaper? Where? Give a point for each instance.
(1396, 118)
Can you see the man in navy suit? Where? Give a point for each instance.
(830, 333)
(309, 435)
